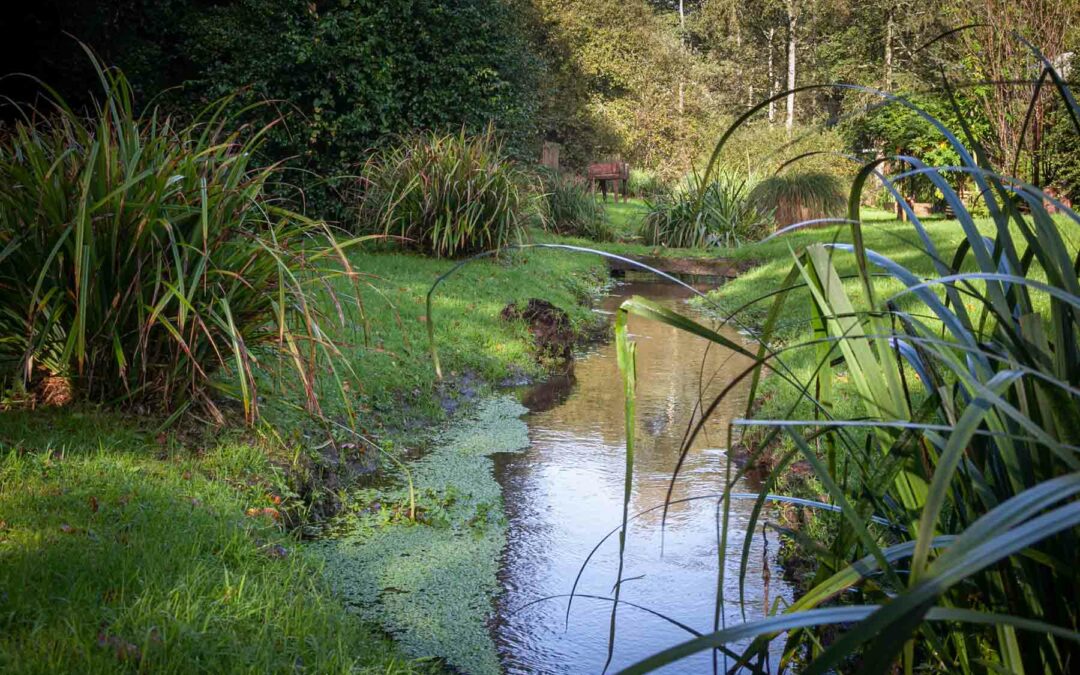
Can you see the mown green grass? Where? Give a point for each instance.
(393, 382)
(625, 217)
(120, 553)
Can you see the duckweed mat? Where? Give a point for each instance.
(430, 583)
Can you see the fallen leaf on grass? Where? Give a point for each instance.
(273, 513)
(93, 504)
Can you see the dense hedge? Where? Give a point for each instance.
(346, 72)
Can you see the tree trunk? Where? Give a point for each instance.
(792, 25)
(889, 51)
(772, 77)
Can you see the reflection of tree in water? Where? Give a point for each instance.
(671, 380)
(565, 493)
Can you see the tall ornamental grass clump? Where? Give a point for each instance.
(797, 197)
(703, 214)
(569, 207)
(142, 261)
(955, 490)
(445, 195)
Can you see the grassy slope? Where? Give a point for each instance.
(119, 553)
(169, 572)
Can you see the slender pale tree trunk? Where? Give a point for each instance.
(889, 27)
(792, 26)
(682, 38)
(772, 75)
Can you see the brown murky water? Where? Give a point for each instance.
(565, 494)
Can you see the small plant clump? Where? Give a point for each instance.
(445, 195)
(796, 197)
(569, 207)
(714, 213)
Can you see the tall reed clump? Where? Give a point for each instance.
(445, 195)
(797, 197)
(569, 207)
(704, 213)
(955, 491)
(141, 260)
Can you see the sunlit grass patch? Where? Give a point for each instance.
(125, 554)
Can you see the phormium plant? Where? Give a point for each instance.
(444, 194)
(956, 489)
(569, 207)
(704, 213)
(142, 261)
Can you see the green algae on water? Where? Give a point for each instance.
(431, 583)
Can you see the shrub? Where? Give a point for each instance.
(569, 207)
(793, 198)
(141, 261)
(696, 216)
(646, 184)
(445, 194)
(346, 73)
(952, 487)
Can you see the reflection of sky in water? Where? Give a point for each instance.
(565, 494)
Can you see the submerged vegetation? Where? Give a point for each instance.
(430, 579)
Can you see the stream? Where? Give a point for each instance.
(565, 493)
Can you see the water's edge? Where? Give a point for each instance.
(432, 584)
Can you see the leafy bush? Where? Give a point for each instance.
(796, 197)
(142, 261)
(570, 207)
(646, 184)
(344, 74)
(953, 487)
(446, 195)
(717, 213)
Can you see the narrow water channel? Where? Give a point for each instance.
(565, 493)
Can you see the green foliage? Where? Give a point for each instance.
(953, 466)
(614, 70)
(114, 561)
(144, 259)
(646, 184)
(446, 195)
(570, 207)
(342, 75)
(715, 214)
(795, 197)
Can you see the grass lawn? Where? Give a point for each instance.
(625, 217)
(124, 550)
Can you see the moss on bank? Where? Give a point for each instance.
(431, 582)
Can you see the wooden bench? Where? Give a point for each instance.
(602, 172)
